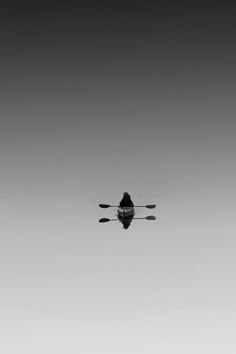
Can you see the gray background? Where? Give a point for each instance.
(95, 103)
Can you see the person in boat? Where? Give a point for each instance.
(126, 215)
(126, 201)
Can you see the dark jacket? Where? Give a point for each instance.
(126, 201)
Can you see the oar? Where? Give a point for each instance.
(150, 217)
(150, 206)
(106, 220)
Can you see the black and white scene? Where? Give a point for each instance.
(98, 101)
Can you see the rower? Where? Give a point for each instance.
(126, 201)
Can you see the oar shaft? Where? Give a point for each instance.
(151, 206)
(150, 217)
(107, 220)
(108, 206)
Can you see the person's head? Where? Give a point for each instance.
(126, 195)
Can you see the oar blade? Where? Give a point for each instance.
(104, 220)
(150, 217)
(104, 205)
(151, 206)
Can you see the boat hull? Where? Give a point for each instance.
(125, 215)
